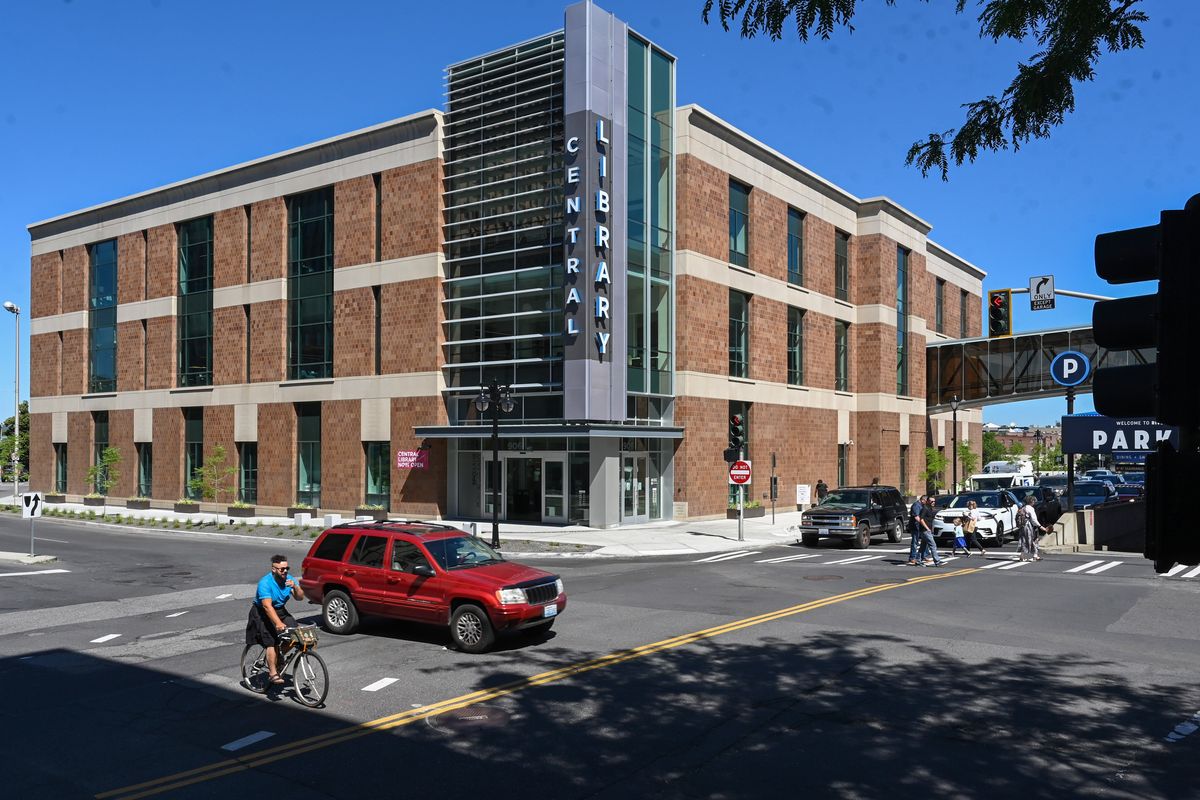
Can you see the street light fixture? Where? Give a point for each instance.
(498, 398)
(15, 310)
(954, 452)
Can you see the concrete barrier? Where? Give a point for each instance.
(1120, 527)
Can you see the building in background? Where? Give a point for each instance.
(634, 271)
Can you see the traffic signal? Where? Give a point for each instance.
(1168, 252)
(737, 432)
(1000, 312)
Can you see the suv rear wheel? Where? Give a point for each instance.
(999, 534)
(471, 629)
(862, 539)
(338, 613)
(895, 532)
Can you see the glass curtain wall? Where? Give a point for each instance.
(310, 285)
(739, 335)
(308, 455)
(102, 317)
(504, 219)
(248, 472)
(195, 302)
(650, 208)
(60, 468)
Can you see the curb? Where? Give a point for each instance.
(24, 558)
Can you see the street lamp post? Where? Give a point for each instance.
(1038, 438)
(15, 310)
(498, 398)
(954, 453)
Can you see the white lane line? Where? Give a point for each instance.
(1175, 570)
(106, 638)
(176, 614)
(854, 560)
(35, 572)
(1191, 573)
(728, 556)
(994, 564)
(1088, 565)
(48, 539)
(1014, 565)
(246, 741)
(1109, 565)
(224, 596)
(382, 683)
(787, 558)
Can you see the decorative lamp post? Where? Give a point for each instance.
(1038, 454)
(498, 398)
(954, 452)
(15, 310)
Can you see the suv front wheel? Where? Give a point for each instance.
(895, 532)
(471, 629)
(338, 613)
(862, 538)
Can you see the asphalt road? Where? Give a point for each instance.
(770, 673)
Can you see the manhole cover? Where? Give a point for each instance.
(465, 720)
(822, 577)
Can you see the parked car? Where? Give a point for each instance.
(855, 514)
(1134, 477)
(1130, 491)
(997, 515)
(427, 573)
(1103, 475)
(1090, 493)
(1056, 482)
(1045, 502)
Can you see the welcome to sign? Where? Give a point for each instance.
(1087, 433)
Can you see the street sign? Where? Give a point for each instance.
(1094, 433)
(1041, 293)
(803, 494)
(1070, 368)
(31, 505)
(739, 473)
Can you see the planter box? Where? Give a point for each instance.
(377, 514)
(240, 511)
(187, 508)
(293, 511)
(52, 497)
(95, 501)
(141, 505)
(748, 513)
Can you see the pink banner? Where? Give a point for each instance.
(412, 459)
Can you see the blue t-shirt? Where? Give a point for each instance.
(268, 588)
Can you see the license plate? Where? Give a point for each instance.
(550, 611)
(822, 531)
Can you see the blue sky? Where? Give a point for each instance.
(99, 100)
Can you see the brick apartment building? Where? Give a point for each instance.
(635, 272)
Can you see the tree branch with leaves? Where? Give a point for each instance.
(1069, 36)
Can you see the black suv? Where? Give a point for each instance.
(855, 514)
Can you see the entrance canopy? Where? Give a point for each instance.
(587, 431)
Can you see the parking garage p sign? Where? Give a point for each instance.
(1070, 368)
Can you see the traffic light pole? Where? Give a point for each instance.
(741, 504)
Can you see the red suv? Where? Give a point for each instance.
(427, 573)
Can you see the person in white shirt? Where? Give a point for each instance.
(1028, 530)
(972, 527)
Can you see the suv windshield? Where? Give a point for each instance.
(992, 483)
(982, 500)
(1090, 489)
(844, 498)
(461, 552)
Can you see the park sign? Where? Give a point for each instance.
(1094, 433)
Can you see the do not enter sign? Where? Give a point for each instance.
(739, 472)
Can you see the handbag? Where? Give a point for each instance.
(969, 527)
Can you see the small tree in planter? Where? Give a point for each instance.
(297, 507)
(213, 480)
(102, 476)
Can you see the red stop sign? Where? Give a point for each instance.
(739, 472)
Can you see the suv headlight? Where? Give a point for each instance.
(558, 585)
(509, 597)
(851, 521)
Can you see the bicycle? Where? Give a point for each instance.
(310, 676)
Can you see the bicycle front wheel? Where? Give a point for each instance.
(310, 679)
(255, 674)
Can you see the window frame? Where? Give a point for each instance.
(739, 223)
(841, 265)
(739, 336)
(795, 246)
(310, 285)
(194, 287)
(841, 355)
(795, 346)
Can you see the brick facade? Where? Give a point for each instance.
(277, 454)
(45, 282)
(410, 196)
(354, 221)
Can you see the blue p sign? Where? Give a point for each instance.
(1070, 368)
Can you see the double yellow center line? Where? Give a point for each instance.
(229, 766)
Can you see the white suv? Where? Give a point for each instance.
(997, 515)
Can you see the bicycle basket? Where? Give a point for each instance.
(306, 635)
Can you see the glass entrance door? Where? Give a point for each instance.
(523, 489)
(634, 496)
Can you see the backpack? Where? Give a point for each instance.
(1023, 519)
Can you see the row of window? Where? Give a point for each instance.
(377, 489)
(739, 344)
(939, 309)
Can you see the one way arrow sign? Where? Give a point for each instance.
(1041, 293)
(31, 505)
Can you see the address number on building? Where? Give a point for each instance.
(739, 473)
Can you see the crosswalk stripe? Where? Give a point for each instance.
(1014, 565)
(1109, 565)
(1088, 565)
(728, 556)
(1175, 570)
(995, 564)
(382, 683)
(786, 558)
(106, 638)
(1192, 573)
(854, 560)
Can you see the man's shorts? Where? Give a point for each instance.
(260, 630)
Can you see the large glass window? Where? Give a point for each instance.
(310, 285)
(904, 470)
(100, 444)
(145, 469)
(739, 224)
(308, 461)
(841, 356)
(902, 321)
(795, 247)
(193, 449)
(379, 474)
(795, 346)
(248, 472)
(841, 266)
(102, 317)
(60, 467)
(195, 302)
(962, 315)
(939, 306)
(739, 335)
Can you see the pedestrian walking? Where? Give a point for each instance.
(971, 528)
(928, 543)
(822, 490)
(1028, 530)
(960, 537)
(914, 529)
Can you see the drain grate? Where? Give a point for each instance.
(465, 720)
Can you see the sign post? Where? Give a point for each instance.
(31, 509)
(774, 487)
(739, 475)
(1069, 368)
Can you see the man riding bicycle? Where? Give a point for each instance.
(269, 616)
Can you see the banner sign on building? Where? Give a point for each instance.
(1093, 433)
(412, 459)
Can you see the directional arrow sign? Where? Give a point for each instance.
(1041, 293)
(31, 505)
(739, 472)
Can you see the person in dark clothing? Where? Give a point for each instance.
(822, 490)
(928, 543)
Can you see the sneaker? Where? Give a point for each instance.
(968, 555)
(939, 563)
